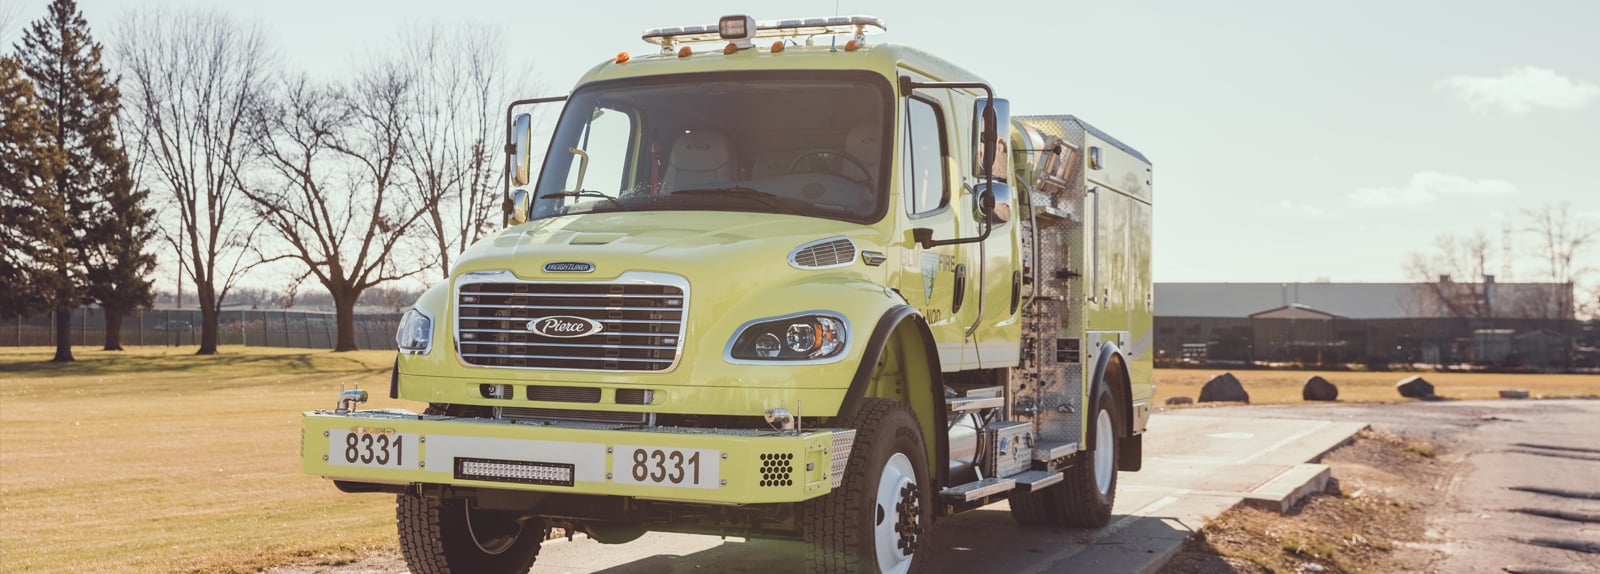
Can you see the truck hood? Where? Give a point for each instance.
(682, 242)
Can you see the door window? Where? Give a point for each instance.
(925, 174)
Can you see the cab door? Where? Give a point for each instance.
(938, 280)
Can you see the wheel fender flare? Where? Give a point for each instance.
(895, 318)
(1111, 360)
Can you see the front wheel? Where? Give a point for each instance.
(878, 518)
(449, 536)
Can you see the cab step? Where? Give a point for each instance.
(1046, 451)
(979, 489)
(961, 404)
(1036, 479)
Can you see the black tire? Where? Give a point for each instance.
(1080, 503)
(1076, 502)
(1033, 508)
(447, 536)
(840, 528)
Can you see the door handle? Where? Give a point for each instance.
(961, 287)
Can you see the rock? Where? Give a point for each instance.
(1180, 401)
(1319, 389)
(1513, 393)
(1413, 387)
(1224, 388)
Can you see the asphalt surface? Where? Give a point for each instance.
(1196, 467)
(1524, 492)
(1521, 496)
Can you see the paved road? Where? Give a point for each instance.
(1526, 476)
(1195, 468)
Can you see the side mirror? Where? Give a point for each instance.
(520, 144)
(994, 203)
(992, 119)
(521, 203)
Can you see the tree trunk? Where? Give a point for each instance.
(113, 330)
(208, 323)
(344, 312)
(63, 335)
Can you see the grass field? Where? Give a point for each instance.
(156, 460)
(1266, 387)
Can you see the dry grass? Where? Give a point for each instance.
(1269, 387)
(1372, 524)
(157, 460)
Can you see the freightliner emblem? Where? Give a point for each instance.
(565, 326)
(568, 267)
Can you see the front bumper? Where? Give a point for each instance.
(718, 466)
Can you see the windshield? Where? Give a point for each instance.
(798, 143)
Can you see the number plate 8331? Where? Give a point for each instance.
(662, 466)
(373, 448)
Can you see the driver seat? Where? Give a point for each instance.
(698, 158)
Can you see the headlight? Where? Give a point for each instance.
(803, 337)
(415, 334)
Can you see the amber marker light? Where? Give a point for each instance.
(852, 45)
(684, 52)
(622, 57)
(730, 48)
(777, 47)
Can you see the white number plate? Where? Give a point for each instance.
(659, 466)
(373, 448)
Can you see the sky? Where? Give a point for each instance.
(1291, 141)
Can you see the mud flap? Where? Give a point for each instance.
(1130, 453)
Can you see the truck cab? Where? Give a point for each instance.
(771, 281)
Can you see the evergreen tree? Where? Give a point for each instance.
(119, 267)
(29, 213)
(79, 103)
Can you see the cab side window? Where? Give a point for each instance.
(926, 183)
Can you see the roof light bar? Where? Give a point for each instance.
(729, 28)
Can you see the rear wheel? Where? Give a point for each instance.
(878, 518)
(449, 536)
(1085, 498)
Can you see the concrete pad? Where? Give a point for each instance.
(1282, 492)
(1196, 467)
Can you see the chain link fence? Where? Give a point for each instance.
(181, 327)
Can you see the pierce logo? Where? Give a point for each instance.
(565, 326)
(568, 267)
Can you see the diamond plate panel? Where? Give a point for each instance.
(1050, 392)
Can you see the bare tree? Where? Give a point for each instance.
(452, 155)
(191, 81)
(1562, 238)
(9, 12)
(1451, 276)
(344, 229)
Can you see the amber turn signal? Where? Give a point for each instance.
(622, 57)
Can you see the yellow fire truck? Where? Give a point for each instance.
(771, 281)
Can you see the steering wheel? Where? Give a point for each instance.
(832, 152)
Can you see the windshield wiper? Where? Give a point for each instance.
(584, 193)
(771, 200)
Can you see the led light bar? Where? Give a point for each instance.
(795, 28)
(518, 471)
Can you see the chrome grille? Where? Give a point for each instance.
(825, 253)
(642, 325)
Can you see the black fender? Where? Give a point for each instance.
(887, 324)
(1111, 365)
(1109, 361)
(394, 378)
